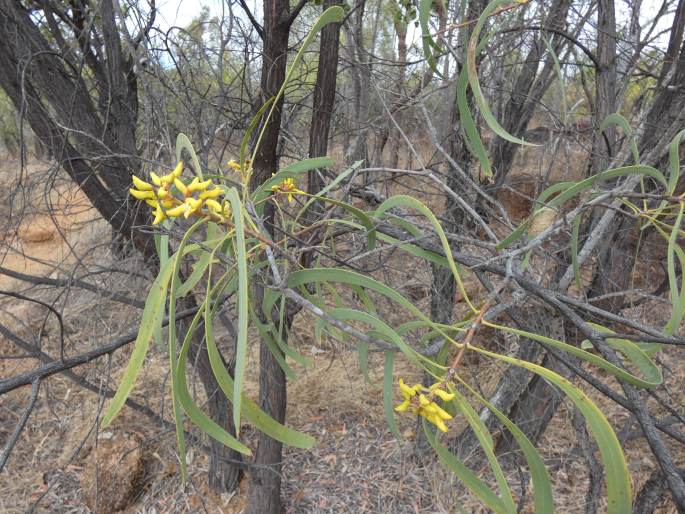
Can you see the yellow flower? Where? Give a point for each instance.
(420, 398)
(443, 395)
(142, 195)
(167, 204)
(404, 406)
(407, 391)
(155, 179)
(141, 184)
(196, 185)
(213, 206)
(288, 188)
(159, 216)
(181, 186)
(233, 164)
(211, 193)
(177, 211)
(191, 206)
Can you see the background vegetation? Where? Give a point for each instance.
(486, 196)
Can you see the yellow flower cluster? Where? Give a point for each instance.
(423, 404)
(287, 187)
(172, 198)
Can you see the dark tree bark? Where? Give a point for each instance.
(265, 479)
(324, 98)
(529, 87)
(605, 86)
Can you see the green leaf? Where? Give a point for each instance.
(200, 267)
(617, 119)
(183, 143)
(574, 251)
(470, 480)
(677, 299)
(635, 355)
(469, 127)
(333, 14)
(425, 7)
(204, 422)
(341, 176)
(243, 303)
(542, 486)
(616, 470)
(487, 445)
(596, 360)
(260, 419)
(478, 96)
(674, 162)
(413, 203)
(152, 315)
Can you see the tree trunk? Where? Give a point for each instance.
(528, 89)
(605, 86)
(324, 97)
(265, 479)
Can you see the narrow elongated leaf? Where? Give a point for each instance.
(487, 445)
(429, 45)
(183, 143)
(243, 303)
(333, 14)
(152, 315)
(469, 127)
(615, 467)
(596, 360)
(475, 484)
(542, 486)
(413, 203)
(472, 71)
(617, 119)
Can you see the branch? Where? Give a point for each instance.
(255, 24)
(72, 282)
(20, 426)
(62, 365)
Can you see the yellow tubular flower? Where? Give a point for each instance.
(407, 391)
(233, 164)
(159, 216)
(438, 422)
(181, 187)
(167, 204)
(155, 179)
(213, 206)
(442, 414)
(162, 193)
(191, 206)
(404, 406)
(196, 185)
(212, 193)
(176, 211)
(141, 184)
(288, 188)
(178, 170)
(443, 395)
(142, 195)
